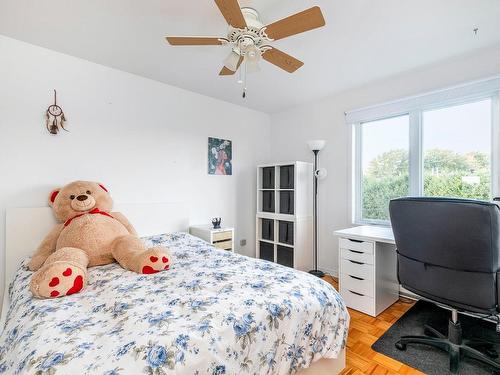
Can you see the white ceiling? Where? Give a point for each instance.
(364, 40)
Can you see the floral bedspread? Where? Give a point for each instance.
(214, 312)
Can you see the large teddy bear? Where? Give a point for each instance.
(89, 234)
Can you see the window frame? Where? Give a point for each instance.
(358, 157)
(436, 100)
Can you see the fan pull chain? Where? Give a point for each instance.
(244, 79)
(240, 74)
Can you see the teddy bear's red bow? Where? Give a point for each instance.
(93, 212)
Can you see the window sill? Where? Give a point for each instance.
(384, 224)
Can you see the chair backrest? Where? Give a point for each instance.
(448, 249)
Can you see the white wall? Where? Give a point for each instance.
(146, 141)
(324, 119)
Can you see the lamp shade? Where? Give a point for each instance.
(316, 145)
(252, 66)
(231, 62)
(252, 54)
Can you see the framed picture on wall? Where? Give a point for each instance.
(220, 155)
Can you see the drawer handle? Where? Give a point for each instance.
(358, 241)
(357, 278)
(355, 251)
(359, 294)
(218, 241)
(353, 261)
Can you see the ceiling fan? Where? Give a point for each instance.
(251, 40)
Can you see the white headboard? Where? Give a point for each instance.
(26, 227)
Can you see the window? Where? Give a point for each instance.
(445, 143)
(385, 169)
(457, 151)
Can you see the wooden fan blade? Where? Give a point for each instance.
(231, 11)
(282, 60)
(192, 41)
(228, 72)
(306, 20)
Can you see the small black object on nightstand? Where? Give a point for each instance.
(216, 222)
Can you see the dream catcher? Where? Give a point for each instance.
(54, 117)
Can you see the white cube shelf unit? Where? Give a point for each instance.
(285, 214)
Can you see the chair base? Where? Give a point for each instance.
(317, 273)
(454, 345)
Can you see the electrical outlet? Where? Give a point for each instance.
(243, 242)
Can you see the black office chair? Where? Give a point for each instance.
(449, 253)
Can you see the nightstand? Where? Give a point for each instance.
(222, 238)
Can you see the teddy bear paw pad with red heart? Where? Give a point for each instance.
(59, 279)
(154, 260)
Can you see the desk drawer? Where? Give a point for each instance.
(356, 255)
(221, 236)
(357, 284)
(358, 269)
(358, 302)
(226, 245)
(363, 246)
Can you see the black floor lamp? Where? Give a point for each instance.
(319, 173)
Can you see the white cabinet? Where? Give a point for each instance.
(222, 238)
(284, 214)
(367, 269)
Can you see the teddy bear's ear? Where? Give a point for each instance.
(102, 187)
(52, 196)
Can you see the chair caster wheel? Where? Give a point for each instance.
(400, 346)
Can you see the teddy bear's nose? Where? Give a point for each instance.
(82, 197)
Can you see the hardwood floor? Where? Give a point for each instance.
(364, 330)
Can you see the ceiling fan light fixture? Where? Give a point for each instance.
(252, 40)
(253, 54)
(231, 62)
(252, 66)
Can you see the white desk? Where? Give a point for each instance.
(368, 268)
(368, 233)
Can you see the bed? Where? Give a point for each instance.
(214, 312)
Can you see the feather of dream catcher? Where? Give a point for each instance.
(54, 117)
